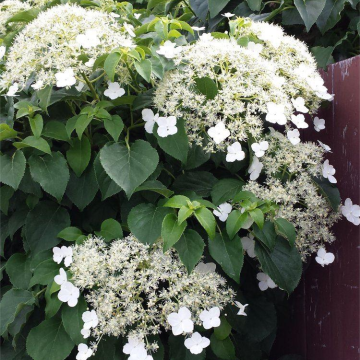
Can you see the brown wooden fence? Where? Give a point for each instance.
(325, 321)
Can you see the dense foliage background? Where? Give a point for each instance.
(57, 189)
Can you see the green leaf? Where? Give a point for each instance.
(225, 189)
(114, 126)
(258, 216)
(106, 350)
(215, 6)
(171, 231)
(110, 230)
(55, 130)
(11, 304)
(207, 87)
(267, 235)
(79, 155)
(24, 16)
(12, 169)
(190, 248)
(111, 63)
(196, 157)
(156, 186)
(309, 11)
(286, 229)
(6, 132)
(228, 254)
(254, 5)
(34, 142)
(223, 349)
(44, 96)
(201, 182)
(82, 190)
(36, 125)
(206, 220)
(6, 193)
(224, 330)
(330, 14)
(322, 55)
(49, 341)
(236, 221)
(330, 192)
(145, 221)
(43, 223)
(283, 264)
(129, 168)
(176, 145)
(144, 68)
(184, 213)
(53, 304)
(107, 186)
(45, 272)
(82, 123)
(18, 269)
(245, 195)
(70, 233)
(72, 320)
(51, 172)
(177, 202)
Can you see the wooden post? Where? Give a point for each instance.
(325, 323)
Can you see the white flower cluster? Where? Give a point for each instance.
(245, 86)
(8, 9)
(292, 60)
(133, 287)
(50, 48)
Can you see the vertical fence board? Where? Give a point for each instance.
(325, 320)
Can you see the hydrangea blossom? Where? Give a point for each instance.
(326, 148)
(90, 319)
(265, 282)
(61, 278)
(2, 51)
(236, 109)
(324, 258)
(167, 126)
(241, 308)
(63, 253)
(150, 119)
(69, 294)
(319, 124)
(248, 244)
(255, 168)
(197, 343)
(114, 90)
(84, 352)
(13, 89)
(276, 113)
(235, 152)
(223, 211)
(293, 136)
(48, 45)
(260, 148)
(299, 121)
(205, 268)
(328, 172)
(351, 212)
(210, 318)
(299, 105)
(63, 79)
(129, 299)
(169, 50)
(181, 321)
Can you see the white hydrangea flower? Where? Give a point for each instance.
(140, 354)
(89, 39)
(223, 211)
(38, 85)
(85, 333)
(272, 34)
(219, 132)
(228, 15)
(265, 282)
(196, 28)
(63, 253)
(210, 318)
(205, 268)
(61, 278)
(114, 90)
(196, 343)
(2, 51)
(136, 16)
(299, 121)
(324, 258)
(133, 343)
(255, 168)
(276, 113)
(167, 126)
(47, 45)
(241, 308)
(351, 211)
(328, 172)
(13, 89)
(169, 49)
(319, 124)
(90, 63)
(260, 148)
(130, 29)
(248, 244)
(181, 321)
(64, 79)
(90, 319)
(299, 104)
(293, 136)
(150, 119)
(256, 48)
(326, 148)
(235, 152)
(69, 293)
(84, 352)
